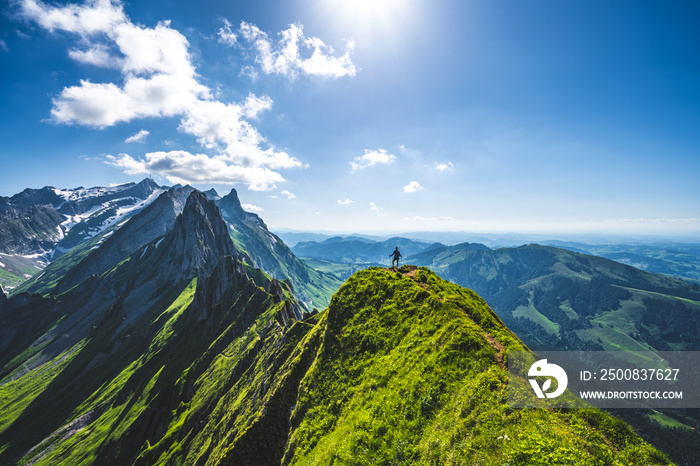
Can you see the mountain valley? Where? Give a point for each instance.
(182, 331)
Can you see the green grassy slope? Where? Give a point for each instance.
(402, 368)
(102, 400)
(557, 299)
(410, 371)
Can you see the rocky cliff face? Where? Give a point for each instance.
(268, 252)
(151, 223)
(30, 230)
(38, 226)
(198, 240)
(177, 301)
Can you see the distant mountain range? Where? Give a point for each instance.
(47, 224)
(553, 298)
(680, 260)
(355, 249)
(666, 257)
(181, 352)
(558, 299)
(177, 329)
(37, 226)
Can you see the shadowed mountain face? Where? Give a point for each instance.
(146, 226)
(558, 299)
(215, 370)
(64, 228)
(268, 252)
(37, 226)
(82, 357)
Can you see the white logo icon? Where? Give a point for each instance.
(542, 368)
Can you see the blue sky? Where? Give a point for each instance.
(367, 115)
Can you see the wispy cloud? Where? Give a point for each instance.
(441, 166)
(3, 46)
(160, 80)
(288, 194)
(252, 208)
(284, 56)
(138, 137)
(345, 201)
(412, 187)
(226, 35)
(372, 158)
(374, 206)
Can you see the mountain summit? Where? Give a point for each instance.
(199, 239)
(401, 368)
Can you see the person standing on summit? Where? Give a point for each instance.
(396, 255)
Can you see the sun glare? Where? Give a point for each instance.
(370, 19)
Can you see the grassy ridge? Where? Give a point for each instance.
(403, 368)
(410, 371)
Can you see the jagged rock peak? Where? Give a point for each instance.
(289, 313)
(290, 310)
(200, 236)
(212, 195)
(231, 204)
(275, 289)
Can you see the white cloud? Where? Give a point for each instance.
(159, 80)
(288, 194)
(441, 166)
(226, 35)
(184, 167)
(252, 208)
(284, 56)
(3, 46)
(409, 151)
(96, 55)
(249, 71)
(138, 137)
(412, 187)
(97, 16)
(374, 206)
(372, 158)
(345, 201)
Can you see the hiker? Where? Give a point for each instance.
(396, 255)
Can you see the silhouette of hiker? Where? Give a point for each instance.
(396, 255)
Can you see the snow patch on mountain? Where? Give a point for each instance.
(78, 194)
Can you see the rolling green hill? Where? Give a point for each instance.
(557, 299)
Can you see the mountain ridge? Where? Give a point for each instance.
(209, 370)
